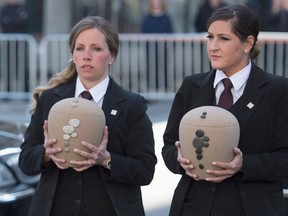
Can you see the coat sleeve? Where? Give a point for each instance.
(32, 149)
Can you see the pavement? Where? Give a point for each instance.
(157, 196)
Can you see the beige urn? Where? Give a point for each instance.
(73, 120)
(207, 134)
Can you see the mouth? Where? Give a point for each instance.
(215, 57)
(87, 66)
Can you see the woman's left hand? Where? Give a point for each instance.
(227, 169)
(95, 156)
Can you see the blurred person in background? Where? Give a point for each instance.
(157, 20)
(14, 17)
(204, 12)
(108, 181)
(273, 14)
(280, 12)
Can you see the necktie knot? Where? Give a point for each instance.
(86, 95)
(226, 97)
(227, 84)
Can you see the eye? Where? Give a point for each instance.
(79, 48)
(224, 38)
(209, 37)
(97, 49)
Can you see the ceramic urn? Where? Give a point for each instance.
(207, 134)
(73, 120)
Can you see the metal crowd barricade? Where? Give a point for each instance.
(18, 65)
(156, 64)
(54, 55)
(153, 65)
(273, 56)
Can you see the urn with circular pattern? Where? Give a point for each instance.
(73, 120)
(207, 134)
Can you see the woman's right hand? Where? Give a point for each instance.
(185, 163)
(50, 152)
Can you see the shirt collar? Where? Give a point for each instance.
(238, 79)
(97, 91)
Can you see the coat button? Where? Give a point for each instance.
(243, 194)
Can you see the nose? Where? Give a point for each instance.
(87, 55)
(213, 45)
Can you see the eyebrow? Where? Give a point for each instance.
(221, 34)
(93, 44)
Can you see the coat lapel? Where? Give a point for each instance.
(67, 90)
(251, 96)
(205, 94)
(111, 108)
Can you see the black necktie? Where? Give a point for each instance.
(86, 95)
(226, 98)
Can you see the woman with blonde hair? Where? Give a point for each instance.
(108, 181)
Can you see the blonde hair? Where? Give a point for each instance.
(69, 73)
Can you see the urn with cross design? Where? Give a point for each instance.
(73, 120)
(207, 134)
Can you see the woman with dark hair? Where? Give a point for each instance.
(108, 181)
(250, 184)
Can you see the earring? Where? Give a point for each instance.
(110, 63)
(245, 51)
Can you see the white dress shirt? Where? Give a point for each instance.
(238, 80)
(97, 91)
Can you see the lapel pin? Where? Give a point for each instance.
(250, 105)
(113, 112)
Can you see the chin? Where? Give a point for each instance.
(217, 66)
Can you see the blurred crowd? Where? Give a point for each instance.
(273, 14)
(157, 18)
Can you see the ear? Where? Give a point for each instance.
(112, 59)
(249, 43)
